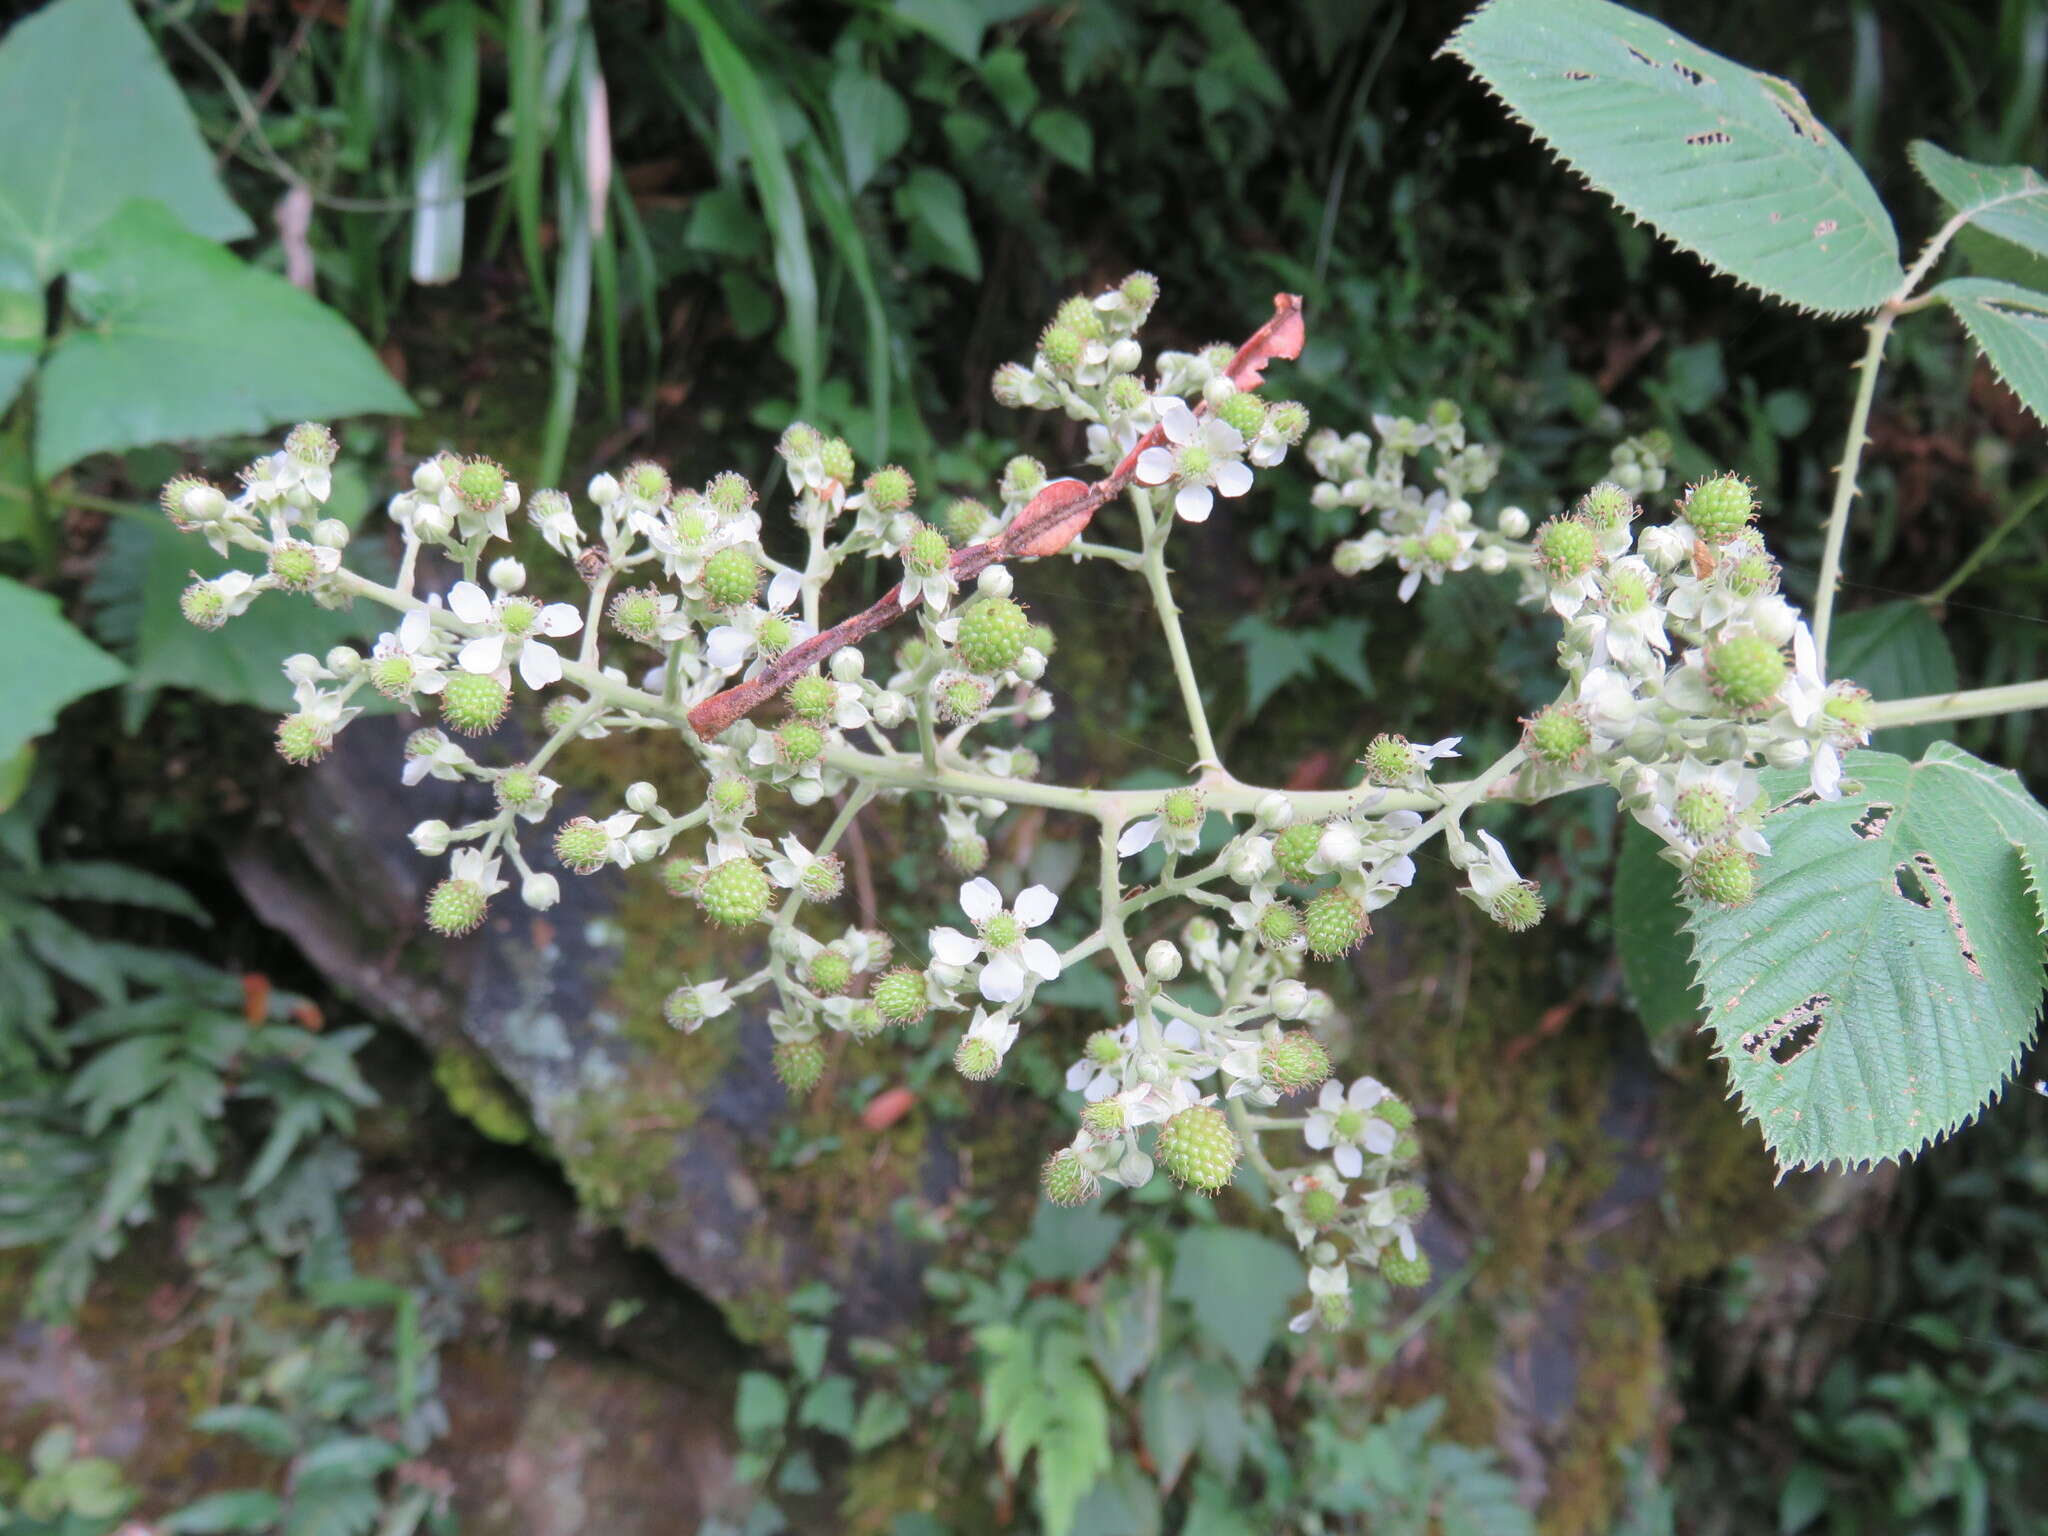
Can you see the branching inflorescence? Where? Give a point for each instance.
(1683, 665)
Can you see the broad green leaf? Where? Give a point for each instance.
(1171, 1412)
(264, 1428)
(1275, 657)
(348, 1457)
(237, 1509)
(1897, 651)
(883, 1416)
(22, 318)
(1066, 1242)
(92, 118)
(958, 25)
(183, 341)
(1878, 990)
(93, 880)
(2010, 201)
(807, 1349)
(2010, 326)
(1649, 935)
(1727, 163)
(1066, 136)
(49, 663)
(1240, 1285)
(873, 124)
(829, 1406)
(762, 1405)
(935, 208)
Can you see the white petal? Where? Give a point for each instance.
(726, 647)
(1041, 957)
(1408, 585)
(1002, 979)
(1366, 1092)
(469, 604)
(1034, 904)
(414, 628)
(1181, 1033)
(1827, 773)
(486, 653)
(539, 666)
(1233, 479)
(1137, 837)
(1078, 1075)
(1332, 1096)
(949, 946)
(1155, 466)
(1192, 503)
(560, 619)
(784, 590)
(980, 899)
(1348, 1160)
(1379, 1137)
(1178, 420)
(1316, 1133)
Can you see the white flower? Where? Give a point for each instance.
(413, 640)
(997, 1029)
(511, 622)
(711, 1001)
(1004, 936)
(1323, 1280)
(1342, 1124)
(731, 645)
(1205, 453)
(470, 864)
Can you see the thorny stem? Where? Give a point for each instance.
(1169, 618)
(1879, 330)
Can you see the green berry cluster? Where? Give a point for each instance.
(1198, 1147)
(734, 893)
(993, 633)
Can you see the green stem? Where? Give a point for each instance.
(1879, 330)
(1206, 758)
(1971, 704)
(1110, 886)
(2020, 513)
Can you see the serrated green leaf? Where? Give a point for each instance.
(935, 208)
(1649, 935)
(1066, 136)
(1897, 651)
(2010, 326)
(49, 664)
(1727, 163)
(2010, 201)
(81, 82)
(1878, 990)
(181, 341)
(237, 1509)
(883, 1416)
(1240, 1284)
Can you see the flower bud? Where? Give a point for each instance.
(995, 581)
(848, 664)
(1289, 999)
(1513, 523)
(1493, 560)
(1162, 960)
(343, 661)
(431, 838)
(1340, 846)
(330, 533)
(540, 891)
(1249, 859)
(1273, 811)
(507, 575)
(643, 798)
(647, 843)
(603, 491)
(429, 478)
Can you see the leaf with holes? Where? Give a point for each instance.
(2010, 326)
(2010, 201)
(1879, 989)
(1730, 164)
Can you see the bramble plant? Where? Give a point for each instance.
(1868, 931)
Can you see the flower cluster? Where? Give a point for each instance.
(1683, 667)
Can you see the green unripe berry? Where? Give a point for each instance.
(734, 893)
(1295, 1062)
(583, 845)
(1411, 1201)
(964, 519)
(1287, 420)
(812, 697)
(1294, 846)
(692, 524)
(731, 578)
(1182, 809)
(1023, 478)
(1140, 291)
(1391, 760)
(1719, 508)
(1068, 1180)
(1195, 461)
(968, 854)
(799, 742)
(203, 606)
(799, 1064)
(683, 1008)
(837, 456)
(775, 635)
(1395, 1112)
(647, 481)
(1078, 314)
(1002, 931)
(518, 615)
(1607, 505)
(635, 614)
(1198, 1147)
(900, 996)
(729, 494)
(962, 698)
(1850, 708)
(1041, 639)
(1244, 411)
(822, 879)
(1746, 671)
(1406, 1150)
(731, 795)
(479, 484)
(679, 878)
(1320, 1207)
(830, 972)
(1398, 1269)
(1441, 547)
(293, 565)
(473, 703)
(1334, 924)
(1518, 908)
(456, 907)
(927, 551)
(1557, 735)
(189, 501)
(302, 740)
(1702, 812)
(975, 1059)
(1627, 592)
(1104, 1048)
(1724, 873)
(1060, 346)
(1105, 1117)
(1125, 393)
(890, 489)
(1279, 925)
(992, 634)
(1750, 573)
(1566, 548)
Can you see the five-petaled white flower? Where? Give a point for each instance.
(730, 645)
(1323, 1280)
(1012, 953)
(512, 621)
(1342, 1123)
(1205, 454)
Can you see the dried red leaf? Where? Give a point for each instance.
(255, 997)
(887, 1107)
